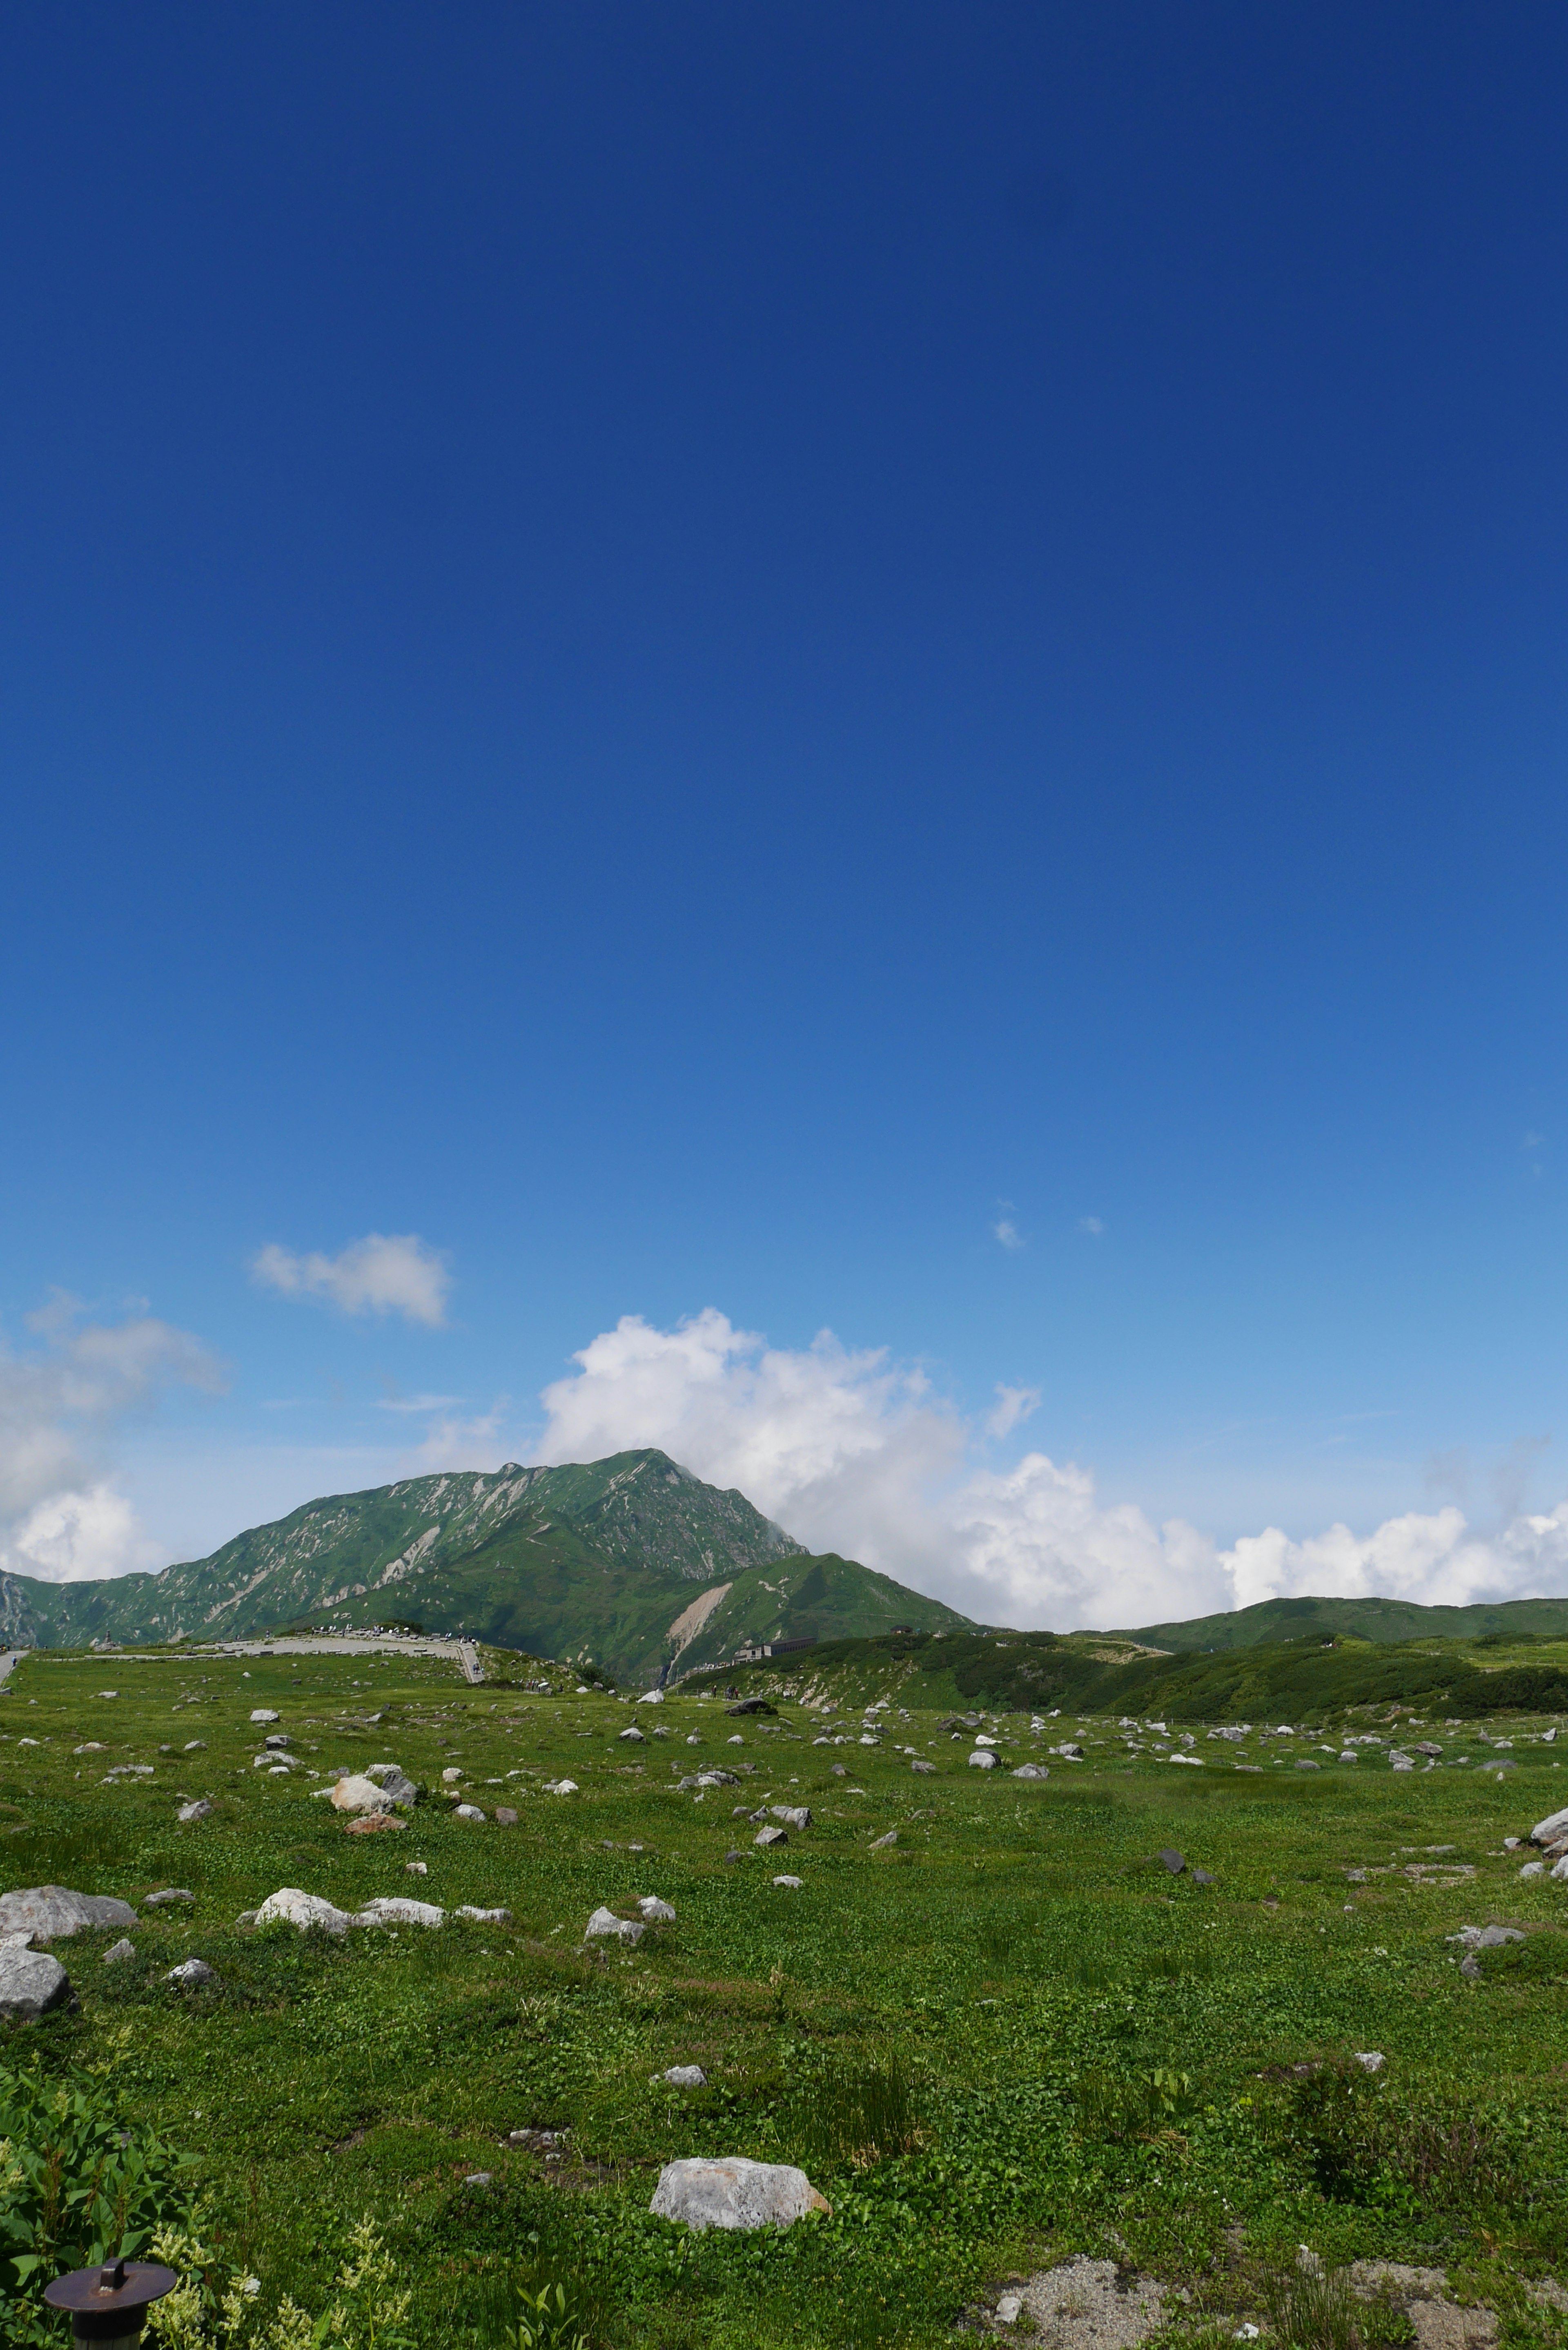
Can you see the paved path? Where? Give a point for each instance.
(7, 1659)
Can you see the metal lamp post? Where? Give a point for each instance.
(107, 2305)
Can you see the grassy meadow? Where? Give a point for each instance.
(1008, 2035)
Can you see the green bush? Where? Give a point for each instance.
(76, 2189)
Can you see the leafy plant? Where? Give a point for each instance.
(76, 2189)
(860, 2113)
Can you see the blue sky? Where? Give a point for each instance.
(703, 655)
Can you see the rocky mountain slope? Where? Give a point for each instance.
(631, 1562)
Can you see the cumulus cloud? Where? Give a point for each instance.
(1092, 1225)
(1007, 1232)
(385, 1273)
(854, 1453)
(60, 1401)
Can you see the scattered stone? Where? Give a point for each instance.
(416, 1868)
(1485, 1937)
(277, 1741)
(504, 1816)
(632, 1736)
(791, 1883)
(686, 2077)
(356, 1792)
(191, 1974)
(192, 1746)
(656, 1912)
(290, 1906)
(201, 1809)
(983, 1759)
(171, 1893)
(31, 1984)
(1401, 1762)
(1548, 1830)
(396, 1910)
(484, 1917)
(735, 2193)
(372, 1823)
(883, 1842)
(560, 1787)
(1533, 1868)
(793, 1816)
(129, 1771)
(605, 1925)
(1303, 1763)
(93, 1746)
(730, 1857)
(467, 1812)
(1086, 2306)
(263, 1713)
(770, 1839)
(119, 1951)
(1170, 1859)
(750, 1705)
(395, 1784)
(927, 1768)
(1428, 1746)
(1202, 1876)
(1371, 2060)
(479, 2178)
(50, 1912)
(1009, 2308)
(1024, 1771)
(839, 1770)
(450, 1775)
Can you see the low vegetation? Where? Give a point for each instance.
(1014, 2034)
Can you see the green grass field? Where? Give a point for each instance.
(1007, 2036)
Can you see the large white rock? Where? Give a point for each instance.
(484, 1917)
(355, 1793)
(735, 2193)
(50, 1912)
(31, 1983)
(655, 1911)
(392, 1910)
(983, 1759)
(1548, 1830)
(560, 1786)
(263, 1713)
(395, 1784)
(289, 1906)
(605, 1925)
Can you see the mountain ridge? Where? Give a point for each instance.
(598, 1561)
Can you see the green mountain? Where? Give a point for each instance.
(1360, 1619)
(632, 1564)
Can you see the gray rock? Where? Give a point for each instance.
(467, 1812)
(735, 2193)
(1486, 1937)
(277, 1741)
(31, 1985)
(395, 1909)
(166, 1899)
(793, 1816)
(926, 1768)
(483, 1917)
(1548, 1830)
(1428, 1746)
(1024, 1770)
(195, 1746)
(1533, 1868)
(632, 1736)
(983, 1759)
(839, 1770)
(730, 1857)
(790, 1884)
(479, 2178)
(200, 1810)
(504, 1816)
(1169, 1858)
(605, 1925)
(263, 1713)
(883, 1842)
(1200, 1876)
(686, 2077)
(119, 1951)
(1371, 2060)
(395, 1784)
(656, 1912)
(288, 1906)
(191, 1975)
(50, 1912)
(770, 1839)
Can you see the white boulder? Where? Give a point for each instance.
(289, 1906)
(686, 2077)
(484, 1917)
(983, 1759)
(263, 1713)
(394, 1909)
(605, 1925)
(735, 2193)
(655, 1911)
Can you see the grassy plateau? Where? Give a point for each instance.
(989, 2022)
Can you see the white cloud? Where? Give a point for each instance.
(853, 1452)
(60, 1401)
(1008, 1233)
(418, 1403)
(1012, 1408)
(386, 1273)
(1091, 1224)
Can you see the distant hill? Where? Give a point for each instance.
(632, 1563)
(1361, 1619)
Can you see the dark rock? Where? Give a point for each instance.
(31, 1984)
(169, 1895)
(504, 1818)
(1171, 1859)
(751, 1705)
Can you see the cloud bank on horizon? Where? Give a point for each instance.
(848, 1450)
(853, 1453)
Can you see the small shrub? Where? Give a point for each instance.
(1333, 2114)
(1310, 2310)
